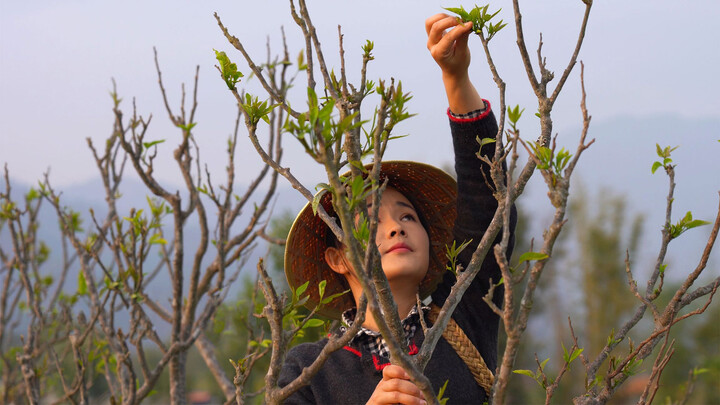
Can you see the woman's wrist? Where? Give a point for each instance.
(462, 95)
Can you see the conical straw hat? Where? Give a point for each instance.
(432, 191)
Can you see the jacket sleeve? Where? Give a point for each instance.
(295, 361)
(476, 207)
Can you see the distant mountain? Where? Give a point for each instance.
(618, 162)
(90, 195)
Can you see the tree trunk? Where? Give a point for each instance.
(177, 378)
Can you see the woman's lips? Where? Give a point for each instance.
(399, 248)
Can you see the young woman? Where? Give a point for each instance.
(422, 211)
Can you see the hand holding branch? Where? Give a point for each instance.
(450, 51)
(396, 388)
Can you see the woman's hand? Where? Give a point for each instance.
(396, 388)
(450, 51)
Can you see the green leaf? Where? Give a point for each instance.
(697, 371)
(82, 284)
(100, 366)
(157, 239)
(575, 354)
(655, 166)
(361, 231)
(357, 186)
(528, 256)
(452, 252)
(302, 301)
(301, 65)
(514, 114)
(484, 141)
(525, 372)
(301, 289)
(459, 11)
(32, 195)
(367, 48)
(321, 288)
(219, 326)
(312, 104)
(316, 200)
(474, 14)
(696, 223)
(687, 217)
(441, 394)
(313, 323)
(228, 70)
(329, 299)
(187, 127)
(542, 365)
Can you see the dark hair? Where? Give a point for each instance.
(330, 239)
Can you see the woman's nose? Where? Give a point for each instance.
(395, 228)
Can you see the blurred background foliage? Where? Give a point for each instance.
(587, 283)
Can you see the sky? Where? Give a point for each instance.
(58, 59)
(644, 60)
(650, 67)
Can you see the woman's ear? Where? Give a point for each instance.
(335, 258)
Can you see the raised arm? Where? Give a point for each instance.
(451, 53)
(448, 45)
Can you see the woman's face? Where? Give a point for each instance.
(401, 239)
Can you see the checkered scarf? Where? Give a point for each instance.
(373, 340)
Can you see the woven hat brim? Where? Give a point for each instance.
(432, 191)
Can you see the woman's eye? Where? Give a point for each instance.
(408, 217)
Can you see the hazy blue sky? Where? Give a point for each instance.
(651, 76)
(57, 60)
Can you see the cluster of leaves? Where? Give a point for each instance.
(686, 223)
(547, 159)
(514, 114)
(318, 129)
(396, 99)
(229, 71)
(551, 162)
(540, 375)
(664, 154)
(320, 125)
(135, 241)
(452, 253)
(298, 321)
(480, 18)
(529, 256)
(257, 110)
(441, 394)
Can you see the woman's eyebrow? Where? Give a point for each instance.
(400, 203)
(404, 204)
